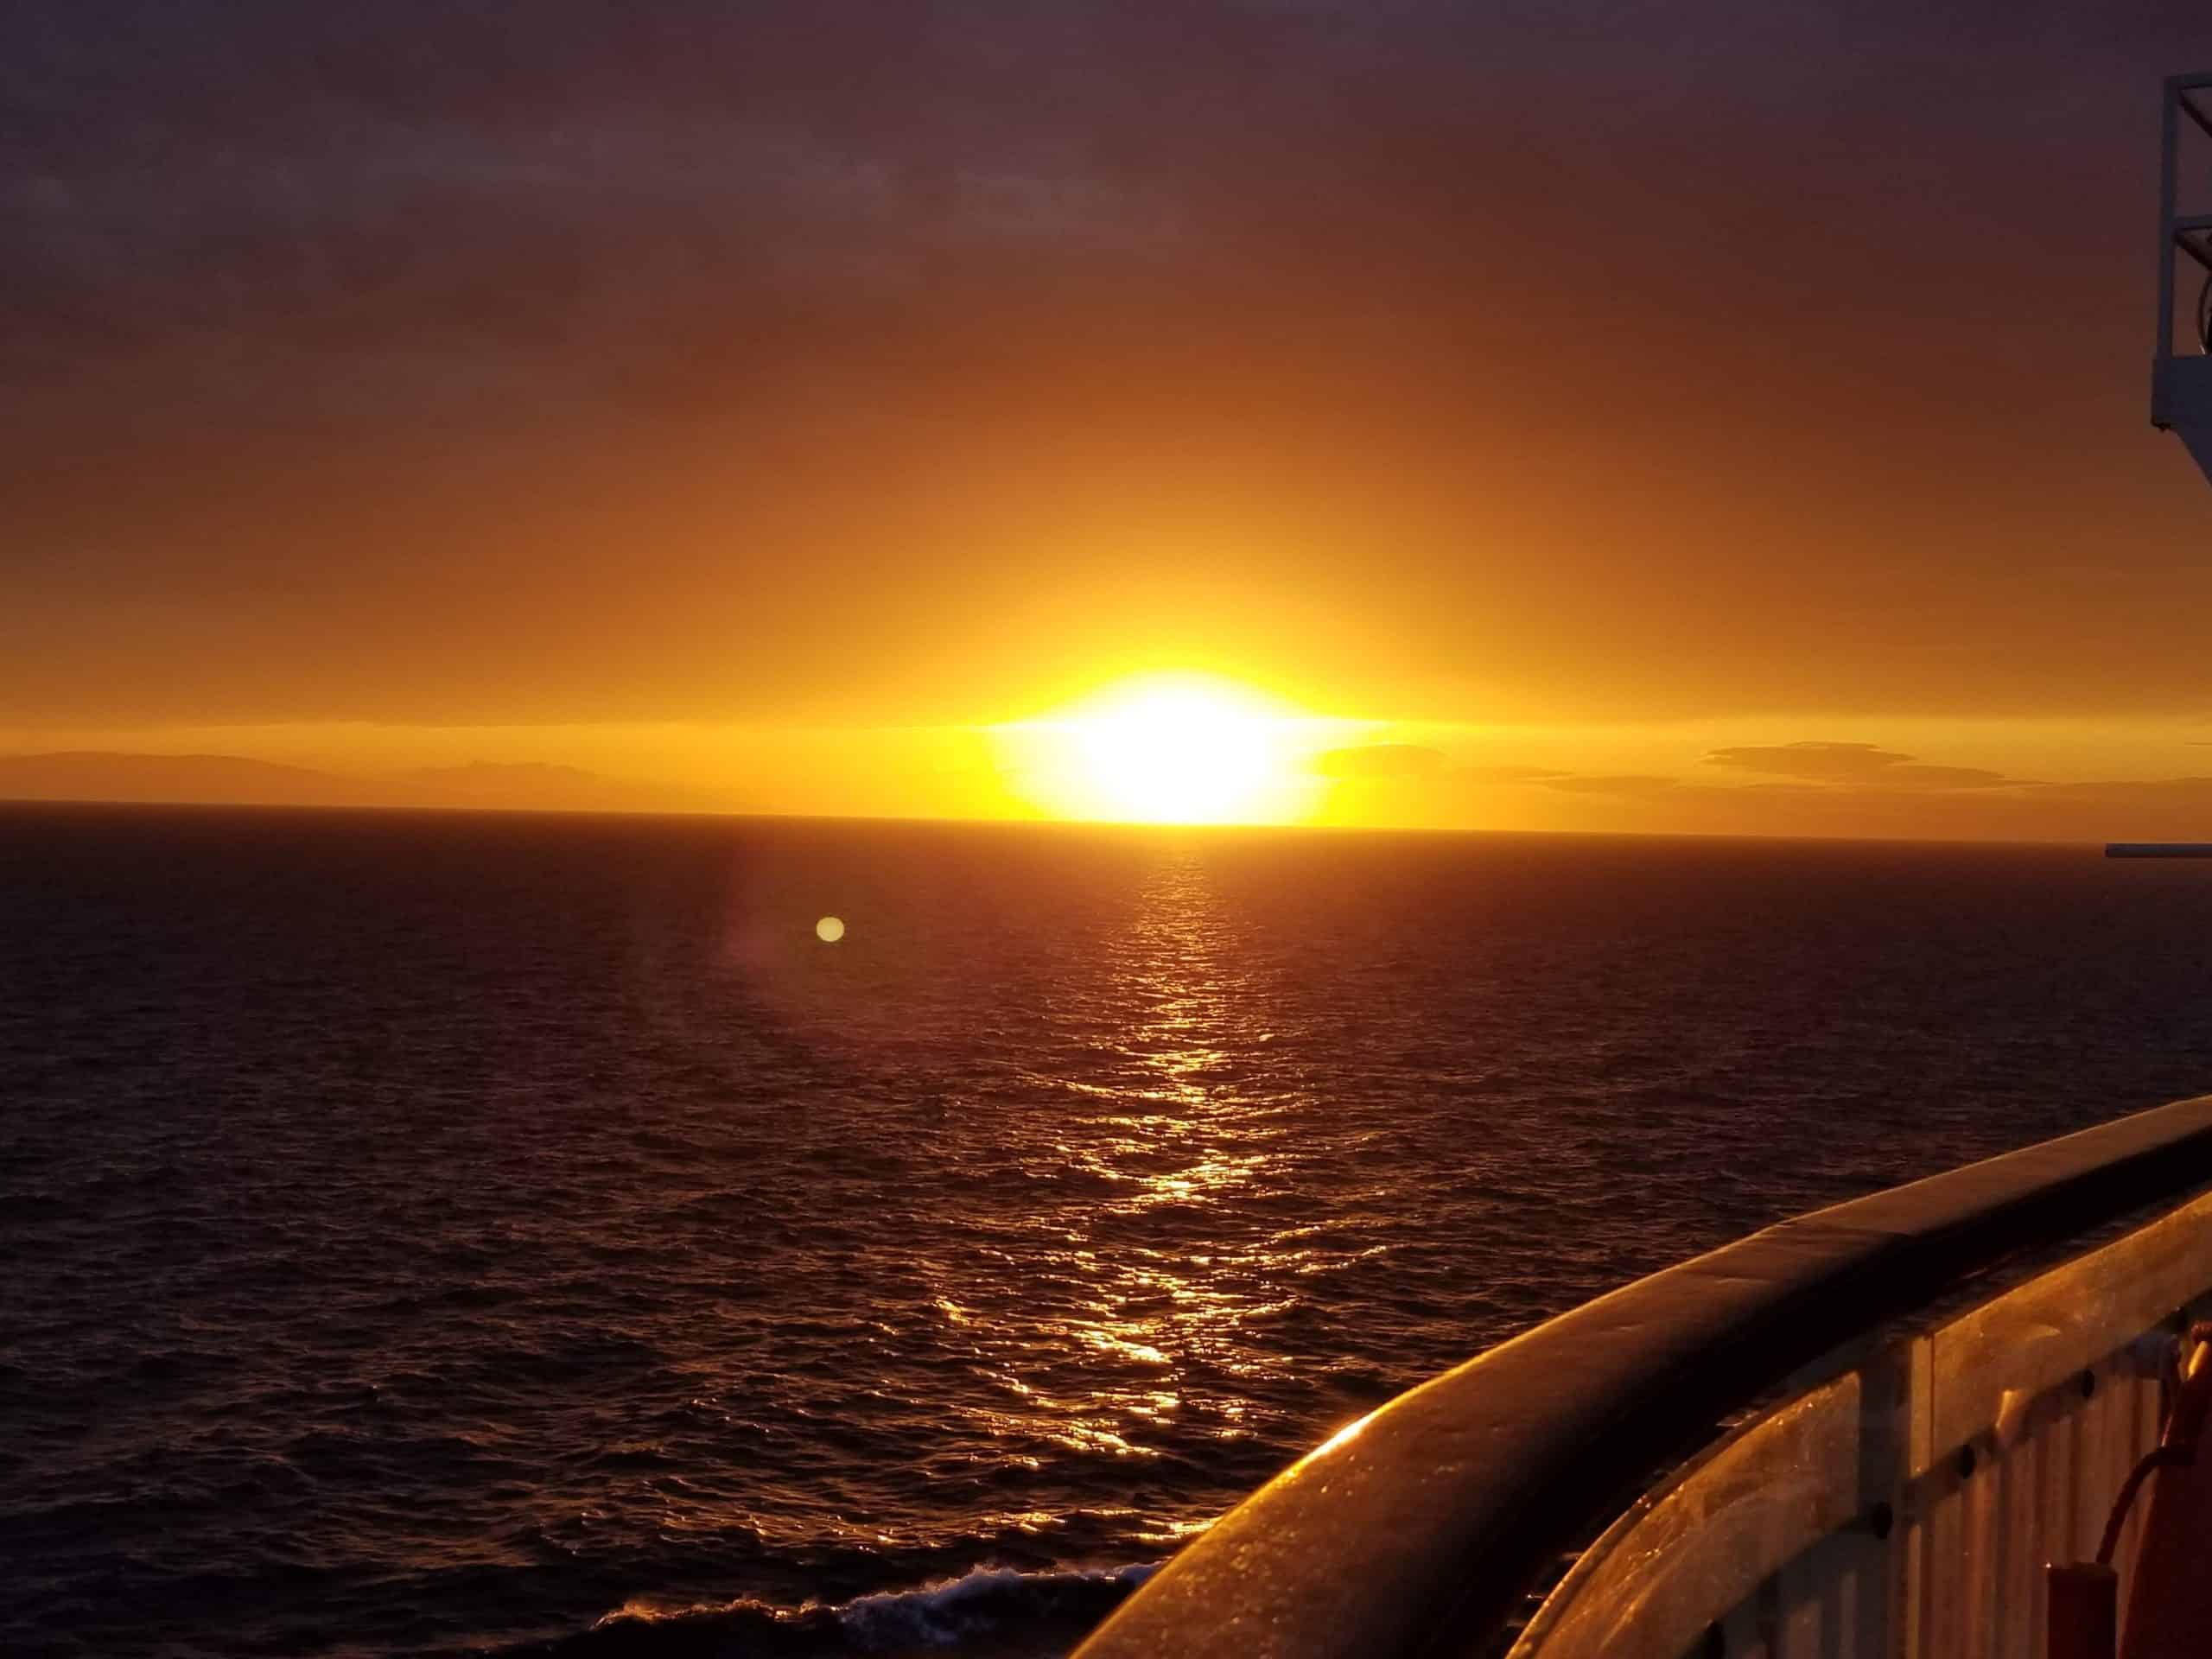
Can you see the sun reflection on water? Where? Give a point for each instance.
(1095, 1215)
(1163, 1269)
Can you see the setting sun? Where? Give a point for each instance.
(1168, 750)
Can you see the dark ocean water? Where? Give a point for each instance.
(439, 1234)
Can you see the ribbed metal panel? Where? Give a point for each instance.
(2042, 1498)
(1978, 1544)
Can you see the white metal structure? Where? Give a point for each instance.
(2181, 381)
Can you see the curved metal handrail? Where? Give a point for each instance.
(1421, 1527)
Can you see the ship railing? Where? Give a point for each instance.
(1778, 1449)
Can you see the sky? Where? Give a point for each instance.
(1714, 416)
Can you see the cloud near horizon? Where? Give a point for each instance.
(1855, 763)
(1633, 786)
(1819, 787)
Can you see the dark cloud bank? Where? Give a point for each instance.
(563, 361)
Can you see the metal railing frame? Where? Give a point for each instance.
(2178, 233)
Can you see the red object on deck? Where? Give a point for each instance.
(2170, 1602)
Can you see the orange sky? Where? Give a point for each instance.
(1594, 410)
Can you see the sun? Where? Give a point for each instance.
(1170, 749)
(1175, 755)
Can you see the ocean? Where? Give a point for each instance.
(444, 1234)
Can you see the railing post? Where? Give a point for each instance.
(1900, 1450)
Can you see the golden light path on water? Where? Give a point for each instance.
(1090, 1215)
(1157, 1305)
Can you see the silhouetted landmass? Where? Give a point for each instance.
(536, 787)
(234, 780)
(87, 775)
